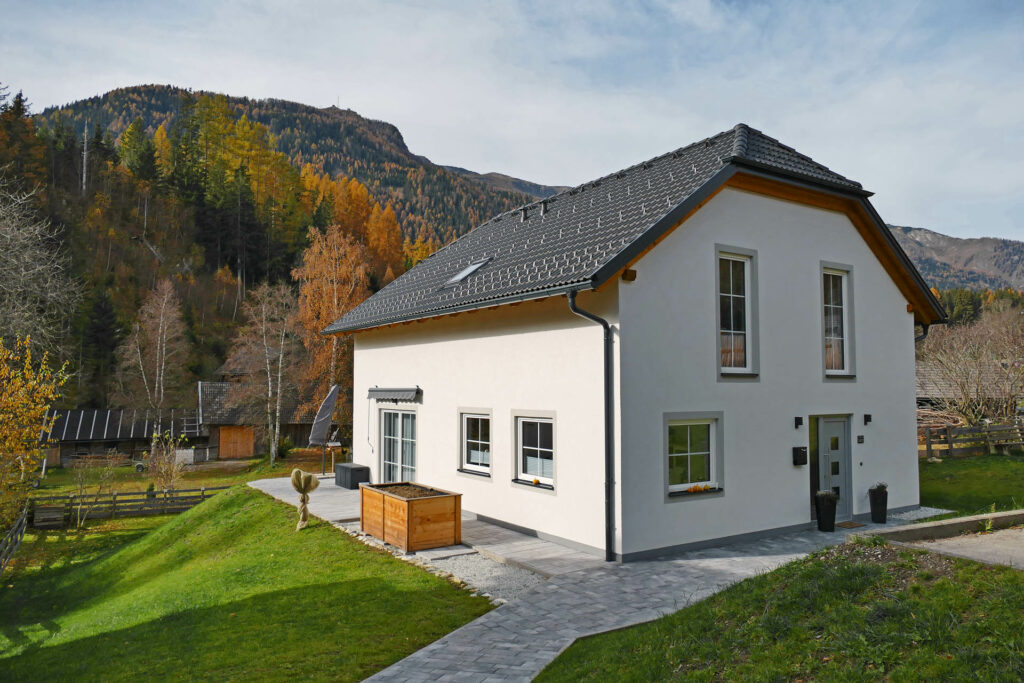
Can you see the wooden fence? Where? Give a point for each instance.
(11, 541)
(961, 441)
(59, 511)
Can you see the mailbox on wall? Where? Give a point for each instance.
(799, 455)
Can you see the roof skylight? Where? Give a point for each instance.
(465, 272)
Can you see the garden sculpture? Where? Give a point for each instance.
(305, 483)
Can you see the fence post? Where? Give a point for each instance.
(928, 442)
(113, 505)
(202, 493)
(949, 440)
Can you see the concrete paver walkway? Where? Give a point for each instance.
(516, 641)
(583, 595)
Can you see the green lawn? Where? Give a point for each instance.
(971, 485)
(227, 590)
(847, 614)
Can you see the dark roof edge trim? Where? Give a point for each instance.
(468, 306)
(940, 312)
(662, 225)
(854, 189)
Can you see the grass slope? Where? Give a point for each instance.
(852, 613)
(971, 485)
(227, 590)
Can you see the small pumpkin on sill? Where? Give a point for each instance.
(536, 482)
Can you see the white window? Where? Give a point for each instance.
(476, 443)
(691, 454)
(734, 313)
(536, 460)
(836, 321)
(398, 445)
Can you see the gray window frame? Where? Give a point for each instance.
(465, 466)
(717, 418)
(516, 464)
(752, 372)
(850, 347)
(415, 440)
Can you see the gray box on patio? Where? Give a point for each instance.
(348, 475)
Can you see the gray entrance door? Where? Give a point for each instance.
(834, 462)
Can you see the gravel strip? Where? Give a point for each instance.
(920, 513)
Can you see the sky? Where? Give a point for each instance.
(922, 102)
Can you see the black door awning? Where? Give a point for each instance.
(399, 394)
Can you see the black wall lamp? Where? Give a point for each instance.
(798, 422)
(867, 419)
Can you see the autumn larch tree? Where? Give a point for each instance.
(333, 279)
(151, 362)
(384, 238)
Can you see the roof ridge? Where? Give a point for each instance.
(739, 140)
(792, 150)
(641, 164)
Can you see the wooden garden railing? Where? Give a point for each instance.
(12, 539)
(58, 511)
(962, 441)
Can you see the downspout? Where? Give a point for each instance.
(609, 426)
(924, 333)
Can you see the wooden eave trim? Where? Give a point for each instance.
(861, 219)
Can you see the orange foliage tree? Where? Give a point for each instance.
(333, 279)
(27, 389)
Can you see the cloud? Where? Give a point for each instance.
(920, 102)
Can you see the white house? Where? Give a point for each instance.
(672, 356)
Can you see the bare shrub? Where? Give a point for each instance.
(93, 477)
(164, 466)
(979, 365)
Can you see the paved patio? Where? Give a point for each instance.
(338, 506)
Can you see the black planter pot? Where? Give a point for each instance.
(825, 506)
(879, 499)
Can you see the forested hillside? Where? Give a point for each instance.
(164, 245)
(430, 201)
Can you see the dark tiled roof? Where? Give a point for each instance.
(215, 409)
(935, 385)
(565, 241)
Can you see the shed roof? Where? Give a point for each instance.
(580, 238)
(118, 424)
(215, 408)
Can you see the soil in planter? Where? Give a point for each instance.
(409, 490)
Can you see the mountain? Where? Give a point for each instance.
(430, 200)
(500, 181)
(977, 263)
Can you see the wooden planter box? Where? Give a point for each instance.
(432, 520)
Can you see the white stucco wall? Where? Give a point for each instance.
(534, 357)
(668, 360)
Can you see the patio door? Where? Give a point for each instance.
(398, 445)
(834, 462)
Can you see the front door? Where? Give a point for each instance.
(834, 462)
(398, 445)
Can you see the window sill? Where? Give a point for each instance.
(527, 482)
(475, 473)
(840, 375)
(688, 494)
(738, 373)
